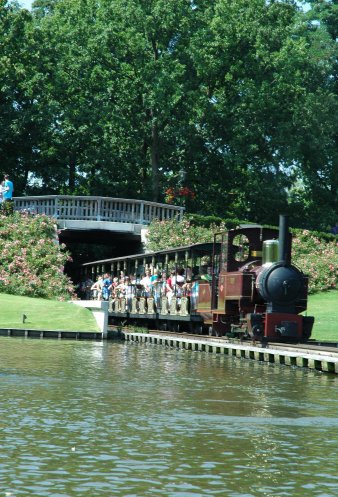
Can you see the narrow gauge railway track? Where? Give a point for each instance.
(328, 348)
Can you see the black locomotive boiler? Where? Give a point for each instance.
(243, 284)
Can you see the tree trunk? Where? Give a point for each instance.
(71, 176)
(155, 142)
(155, 159)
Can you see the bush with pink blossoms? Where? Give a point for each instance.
(31, 259)
(316, 256)
(172, 233)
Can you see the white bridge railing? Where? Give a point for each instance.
(120, 210)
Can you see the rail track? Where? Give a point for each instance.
(328, 349)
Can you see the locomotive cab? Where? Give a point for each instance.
(235, 293)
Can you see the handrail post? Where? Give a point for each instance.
(56, 205)
(181, 213)
(98, 218)
(142, 213)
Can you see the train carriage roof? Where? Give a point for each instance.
(196, 249)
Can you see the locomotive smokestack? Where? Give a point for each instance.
(283, 250)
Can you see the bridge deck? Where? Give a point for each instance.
(106, 213)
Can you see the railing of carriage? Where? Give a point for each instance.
(148, 306)
(67, 207)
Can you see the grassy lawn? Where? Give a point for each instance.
(324, 307)
(53, 315)
(44, 314)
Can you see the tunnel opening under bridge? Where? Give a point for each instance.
(86, 246)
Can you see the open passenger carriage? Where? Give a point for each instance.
(159, 308)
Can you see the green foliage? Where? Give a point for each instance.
(207, 221)
(7, 208)
(166, 234)
(31, 260)
(139, 329)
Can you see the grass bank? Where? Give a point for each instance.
(53, 315)
(324, 307)
(44, 314)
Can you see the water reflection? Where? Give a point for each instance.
(93, 419)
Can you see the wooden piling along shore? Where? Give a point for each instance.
(318, 360)
(59, 334)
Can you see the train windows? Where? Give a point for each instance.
(241, 245)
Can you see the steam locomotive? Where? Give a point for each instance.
(241, 285)
(258, 292)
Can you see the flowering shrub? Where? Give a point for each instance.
(165, 234)
(174, 195)
(31, 260)
(317, 257)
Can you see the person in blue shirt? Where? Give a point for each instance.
(106, 283)
(8, 188)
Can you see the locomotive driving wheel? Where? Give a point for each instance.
(174, 326)
(196, 328)
(211, 331)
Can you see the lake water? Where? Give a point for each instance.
(134, 420)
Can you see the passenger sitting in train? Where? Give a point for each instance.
(87, 288)
(163, 284)
(113, 287)
(186, 288)
(129, 291)
(157, 288)
(107, 281)
(206, 274)
(121, 288)
(195, 272)
(177, 282)
(178, 279)
(145, 282)
(170, 286)
(194, 294)
(154, 285)
(97, 288)
(154, 277)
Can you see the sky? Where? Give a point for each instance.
(26, 3)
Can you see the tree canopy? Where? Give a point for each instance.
(235, 100)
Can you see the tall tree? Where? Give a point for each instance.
(316, 149)
(258, 71)
(18, 112)
(156, 82)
